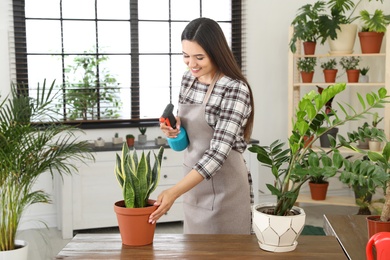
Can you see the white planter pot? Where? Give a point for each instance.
(363, 79)
(345, 40)
(374, 145)
(20, 253)
(277, 233)
(142, 139)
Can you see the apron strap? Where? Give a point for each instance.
(211, 87)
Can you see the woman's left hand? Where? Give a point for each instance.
(164, 202)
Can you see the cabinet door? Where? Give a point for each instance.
(95, 190)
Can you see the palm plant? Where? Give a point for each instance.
(28, 150)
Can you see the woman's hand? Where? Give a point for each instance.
(169, 131)
(165, 201)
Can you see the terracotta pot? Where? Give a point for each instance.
(353, 76)
(318, 190)
(374, 225)
(307, 77)
(307, 140)
(130, 142)
(309, 48)
(370, 42)
(330, 76)
(134, 225)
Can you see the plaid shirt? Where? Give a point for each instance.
(226, 112)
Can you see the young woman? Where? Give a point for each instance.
(216, 109)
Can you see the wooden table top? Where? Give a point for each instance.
(351, 231)
(179, 246)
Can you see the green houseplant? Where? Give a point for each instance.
(90, 89)
(142, 138)
(306, 27)
(137, 179)
(337, 25)
(289, 165)
(329, 69)
(307, 66)
(27, 150)
(374, 27)
(350, 64)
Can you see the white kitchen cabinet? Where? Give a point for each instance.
(86, 200)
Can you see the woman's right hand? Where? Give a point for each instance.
(169, 131)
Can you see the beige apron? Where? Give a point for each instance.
(221, 205)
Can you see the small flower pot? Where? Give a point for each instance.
(318, 190)
(353, 76)
(309, 48)
(307, 77)
(330, 76)
(370, 42)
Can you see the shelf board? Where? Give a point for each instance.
(330, 200)
(370, 84)
(327, 55)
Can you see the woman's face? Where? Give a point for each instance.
(198, 61)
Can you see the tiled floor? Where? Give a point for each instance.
(44, 244)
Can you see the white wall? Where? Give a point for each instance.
(267, 47)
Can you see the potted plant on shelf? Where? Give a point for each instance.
(130, 140)
(116, 139)
(306, 66)
(306, 27)
(320, 167)
(27, 151)
(376, 135)
(337, 25)
(142, 138)
(287, 166)
(330, 71)
(350, 64)
(137, 179)
(363, 78)
(374, 27)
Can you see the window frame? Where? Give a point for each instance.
(21, 69)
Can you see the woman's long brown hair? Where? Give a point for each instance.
(209, 35)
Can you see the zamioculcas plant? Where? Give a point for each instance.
(290, 165)
(136, 177)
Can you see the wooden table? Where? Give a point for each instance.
(178, 246)
(351, 231)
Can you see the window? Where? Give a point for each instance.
(113, 61)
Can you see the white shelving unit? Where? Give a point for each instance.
(381, 78)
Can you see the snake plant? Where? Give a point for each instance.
(136, 177)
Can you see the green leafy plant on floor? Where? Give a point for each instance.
(90, 90)
(27, 150)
